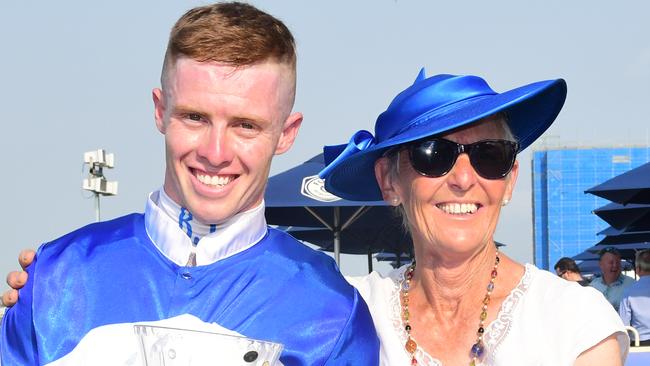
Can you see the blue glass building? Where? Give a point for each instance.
(564, 224)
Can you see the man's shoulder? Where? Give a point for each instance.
(304, 265)
(597, 282)
(627, 280)
(93, 234)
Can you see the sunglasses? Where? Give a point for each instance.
(435, 157)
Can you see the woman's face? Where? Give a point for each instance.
(457, 212)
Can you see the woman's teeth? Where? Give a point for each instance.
(458, 208)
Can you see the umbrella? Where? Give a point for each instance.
(297, 198)
(630, 187)
(621, 216)
(626, 238)
(628, 251)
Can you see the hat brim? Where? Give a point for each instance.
(531, 109)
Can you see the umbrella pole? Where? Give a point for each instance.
(369, 261)
(337, 236)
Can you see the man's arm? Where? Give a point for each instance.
(17, 279)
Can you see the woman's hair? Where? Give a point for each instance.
(566, 264)
(501, 118)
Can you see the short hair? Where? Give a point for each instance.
(610, 250)
(566, 264)
(642, 261)
(232, 33)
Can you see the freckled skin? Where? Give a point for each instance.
(227, 122)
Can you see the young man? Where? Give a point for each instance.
(202, 247)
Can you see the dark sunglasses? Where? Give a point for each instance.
(435, 157)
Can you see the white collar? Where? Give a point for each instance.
(235, 235)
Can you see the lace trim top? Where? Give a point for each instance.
(495, 332)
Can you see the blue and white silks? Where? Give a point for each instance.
(116, 272)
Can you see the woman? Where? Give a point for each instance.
(444, 152)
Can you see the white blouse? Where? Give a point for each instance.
(545, 320)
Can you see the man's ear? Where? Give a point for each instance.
(384, 178)
(159, 109)
(289, 132)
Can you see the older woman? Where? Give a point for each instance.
(444, 152)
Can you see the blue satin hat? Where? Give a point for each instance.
(434, 106)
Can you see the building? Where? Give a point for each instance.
(563, 222)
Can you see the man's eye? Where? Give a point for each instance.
(194, 116)
(247, 125)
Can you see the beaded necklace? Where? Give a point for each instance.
(477, 350)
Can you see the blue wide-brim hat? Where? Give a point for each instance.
(433, 106)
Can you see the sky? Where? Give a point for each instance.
(76, 76)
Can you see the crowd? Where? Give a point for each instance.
(629, 297)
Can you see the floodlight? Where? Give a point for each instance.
(96, 182)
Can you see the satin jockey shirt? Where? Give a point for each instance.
(87, 288)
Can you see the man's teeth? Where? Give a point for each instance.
(458, 208)
(216, 180)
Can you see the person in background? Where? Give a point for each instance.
(612, 282)
(635, 305)
(201, 255)
(444, 153)
(568, 269)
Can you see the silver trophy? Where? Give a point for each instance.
(182, 347)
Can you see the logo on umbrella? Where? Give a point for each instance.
(314, 188)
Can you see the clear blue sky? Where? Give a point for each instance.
(77, 75)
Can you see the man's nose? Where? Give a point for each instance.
(215, 146)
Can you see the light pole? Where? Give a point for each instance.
(96, 182)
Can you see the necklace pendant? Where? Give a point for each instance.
(410, 345)
(477, 350)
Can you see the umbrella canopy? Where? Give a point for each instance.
(630, 187)
(626, 238)
(621, 216)
(628, 251)
(297, 198)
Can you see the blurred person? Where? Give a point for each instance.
(444, 153)
(635, 305)
(612, 282)
(202, 251)
(569, 270)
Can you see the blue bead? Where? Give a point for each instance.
(490, 286)
(477, 350)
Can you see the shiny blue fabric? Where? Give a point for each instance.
(434, 106)
(106, 273)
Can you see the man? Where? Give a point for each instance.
(611, 282)
(569, 270)
(635, 305)
(202, 248)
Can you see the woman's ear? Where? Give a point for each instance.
(384, 176)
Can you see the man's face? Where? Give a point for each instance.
(610, 265)
(222, 126)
